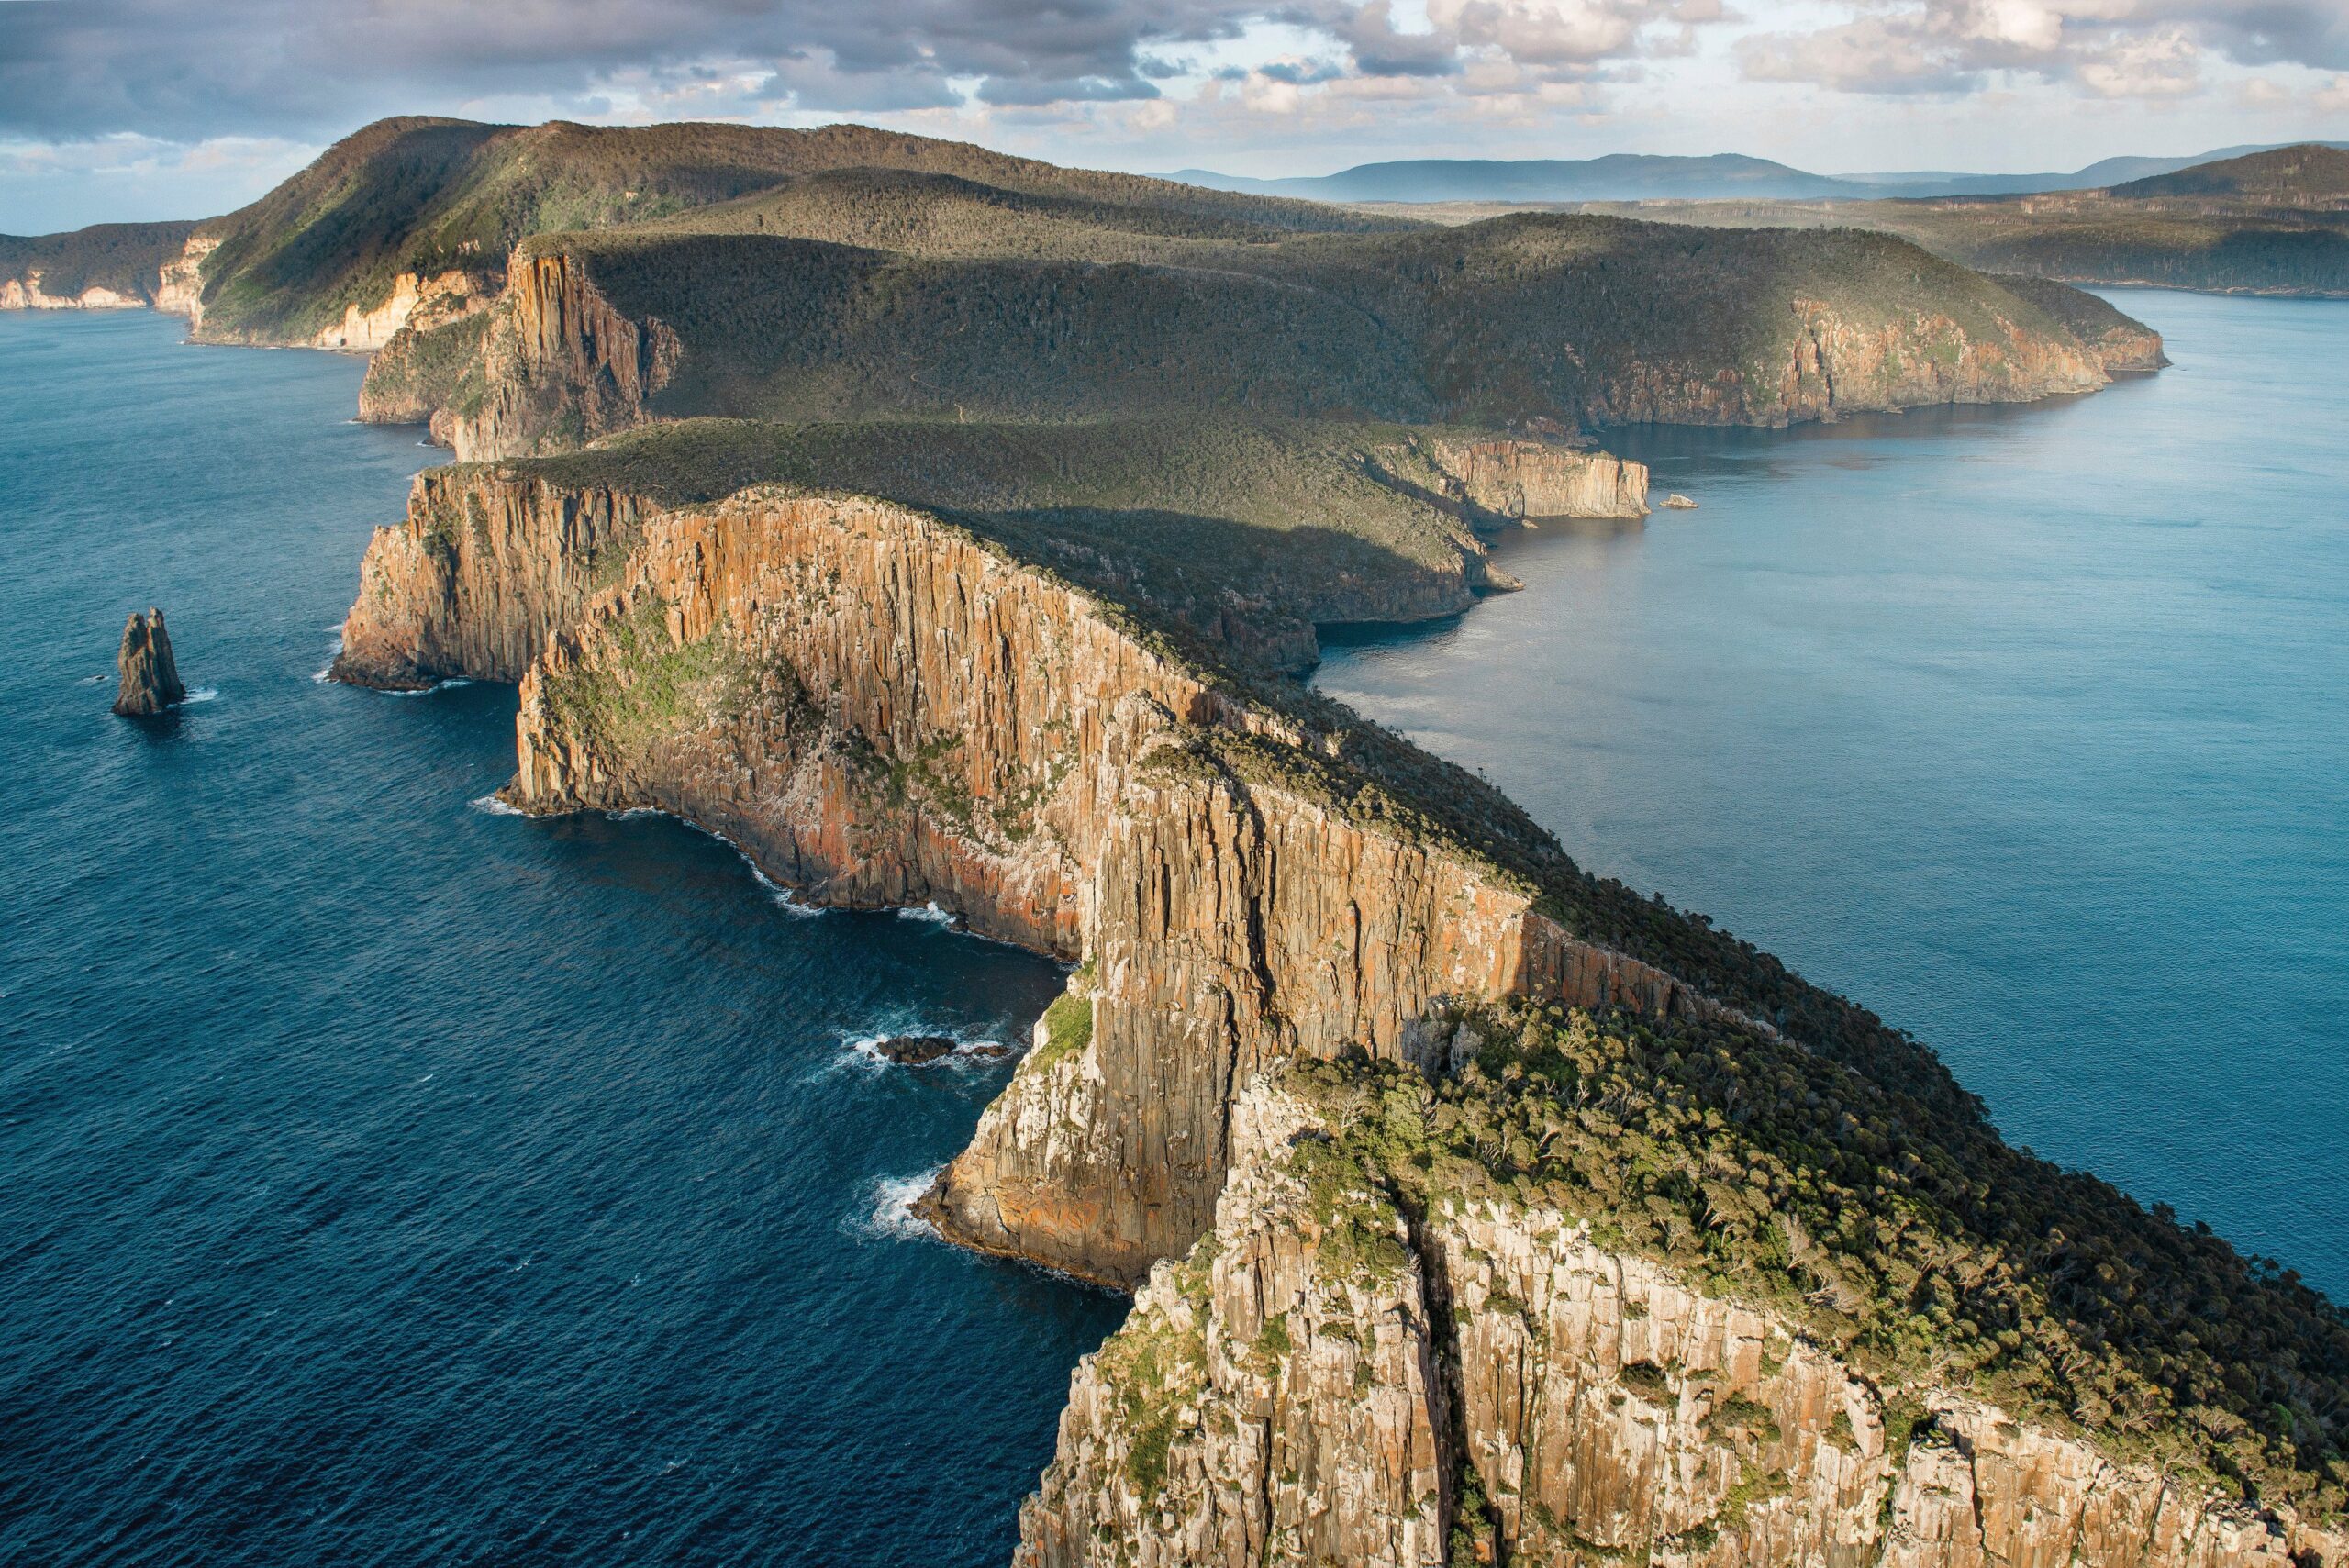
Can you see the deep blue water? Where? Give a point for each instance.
(2027, 727)
(383, 1181)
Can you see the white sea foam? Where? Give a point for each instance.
(930, 913)
(887, 1213)
(491, 805)
(863, 1053)
(201, 694)
(436, 686)
(779, 896)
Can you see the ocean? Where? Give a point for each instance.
(385, 1179)
(2026, 727)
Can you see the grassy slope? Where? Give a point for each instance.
(1186, 517)
(906, 295)
(425, 195)
(124, 257)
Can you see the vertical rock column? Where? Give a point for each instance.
(150, 678)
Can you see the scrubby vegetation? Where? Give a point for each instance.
(2254, 253)
(1900, 1230)
(2309, 176)
(429, 195)
(124, 257)
(1245, 534)
(647, 686)
(1068, 1029)
(2272, 223)
(1056, 314)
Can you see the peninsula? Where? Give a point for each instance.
(948, 529)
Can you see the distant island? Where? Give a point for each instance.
(948, 529)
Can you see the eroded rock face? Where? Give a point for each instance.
(150, 677)
(1202, 1432)
(1841, 366)
(417, 301)
(1585, 1407)
(179, 285)
(561, 365)
(481, 574)
(883, 709)
(1525, 480)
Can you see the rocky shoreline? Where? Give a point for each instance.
(882, 706)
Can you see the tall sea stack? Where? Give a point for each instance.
(151, 680)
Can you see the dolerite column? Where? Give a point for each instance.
(150, 679)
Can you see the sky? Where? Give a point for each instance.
(118, 110)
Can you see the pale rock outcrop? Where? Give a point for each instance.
(27, 293)
(150, 677)
(1523, 479)
(179, 286)
(414, 300)
(1602, 1408)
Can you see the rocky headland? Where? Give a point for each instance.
(1478, 1209)
(150, 675)
(947, 530)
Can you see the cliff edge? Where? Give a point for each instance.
(1480, 1210)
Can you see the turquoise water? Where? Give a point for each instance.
(383, 1181)
(2027, 727)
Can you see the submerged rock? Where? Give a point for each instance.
(915, 1050)
(150, 678)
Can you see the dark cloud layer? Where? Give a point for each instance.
(300, 67)
(303, 69)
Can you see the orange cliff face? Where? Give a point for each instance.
(480, 575)
(881, 707)
(561, 364)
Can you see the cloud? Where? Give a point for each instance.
(2110, 48)
(305, 67)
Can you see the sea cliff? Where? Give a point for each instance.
(1478, 1209)
(1351, 1368)
(596, 334)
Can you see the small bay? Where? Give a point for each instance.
(2026, 727)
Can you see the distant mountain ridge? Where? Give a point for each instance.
(2307, 174)
(1618, 177)
(1630, 177)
